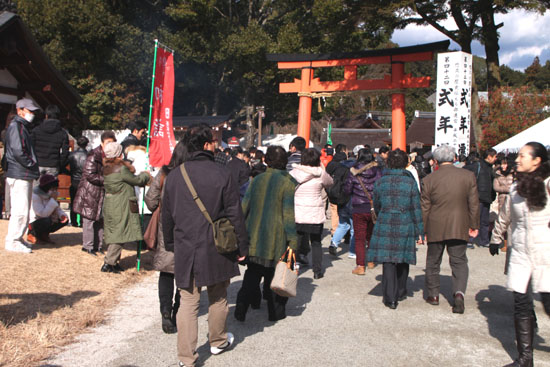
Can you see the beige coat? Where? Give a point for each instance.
(163, 260)
(529, 242)
(450, 204)
(502, 185)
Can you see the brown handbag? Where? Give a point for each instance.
(285, 279)
(372, 212)
(151, 233)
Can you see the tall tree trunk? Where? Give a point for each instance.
(476, 127)
(490, 41)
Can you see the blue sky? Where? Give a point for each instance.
(523, 36)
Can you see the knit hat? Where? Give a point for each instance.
(112, 150)
(47, 181)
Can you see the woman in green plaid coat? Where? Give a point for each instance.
(399, 227)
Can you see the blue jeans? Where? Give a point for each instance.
(345, 224)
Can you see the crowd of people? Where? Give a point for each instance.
(382, 202)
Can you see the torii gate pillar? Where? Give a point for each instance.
(398, 125)
(304, 111)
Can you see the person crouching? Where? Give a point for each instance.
(45, 216)
(120, 208)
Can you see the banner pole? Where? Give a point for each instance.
(147, 151)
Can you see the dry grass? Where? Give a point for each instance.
(50, 296)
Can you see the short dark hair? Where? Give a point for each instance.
(136, 125)
(196, 136)
(397, 159)
(259, 154)
(340, 148)
(236, 150)
(311, 157)
(52, 111)
(489, 152)
(365, 156)
(275, 157)
(299, 143)
(108, 135)
(227, 150)
(383, 149)
(257, 169)
(82, 142)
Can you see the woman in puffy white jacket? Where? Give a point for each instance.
(526, 216)
(309, 207)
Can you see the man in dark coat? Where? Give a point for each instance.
(137, 132)
(483, 171)
(22, 170)
(89, 197)
(450, 211)
(240, 171)
(51, 143)
(189, 234)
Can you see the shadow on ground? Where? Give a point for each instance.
(25, 306)
(497, 305)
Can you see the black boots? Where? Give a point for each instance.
(525, 330)
(168, 326)
(168, 313)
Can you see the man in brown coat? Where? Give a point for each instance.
(450, 210)
(188, 233)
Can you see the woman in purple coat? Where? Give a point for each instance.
(360, 185)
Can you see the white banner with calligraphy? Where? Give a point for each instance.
(453, 101)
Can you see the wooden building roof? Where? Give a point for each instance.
(23, 58)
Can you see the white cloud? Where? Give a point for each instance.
(523, 36)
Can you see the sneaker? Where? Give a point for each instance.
(18, 247)
(352, 256)
(224, 346)
(333, 250)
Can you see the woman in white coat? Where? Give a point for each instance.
(526, 216)
(309, 207)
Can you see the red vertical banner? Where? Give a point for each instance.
(162, 141)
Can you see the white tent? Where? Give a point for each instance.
(539, 133)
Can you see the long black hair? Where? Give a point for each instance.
(179, 155)
(531, 184)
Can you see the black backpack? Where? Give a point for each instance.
(336, 194)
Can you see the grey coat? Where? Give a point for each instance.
(163, 260)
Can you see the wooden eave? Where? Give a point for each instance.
(23, 58)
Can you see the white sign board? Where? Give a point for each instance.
(453, 101)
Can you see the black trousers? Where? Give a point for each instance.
(250, 289)
(166, 293)
(72, 194)
(523, 304)
(44, 226)
(304, 241)
(394, 281)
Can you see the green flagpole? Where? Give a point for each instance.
(329, 134)
(147, 152)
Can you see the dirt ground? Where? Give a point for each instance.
(51, 295)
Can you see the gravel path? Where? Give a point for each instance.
(335, 321)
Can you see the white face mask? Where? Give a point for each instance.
(29, 117)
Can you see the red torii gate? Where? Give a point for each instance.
(395, 82)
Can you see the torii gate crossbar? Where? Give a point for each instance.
(396, 82)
